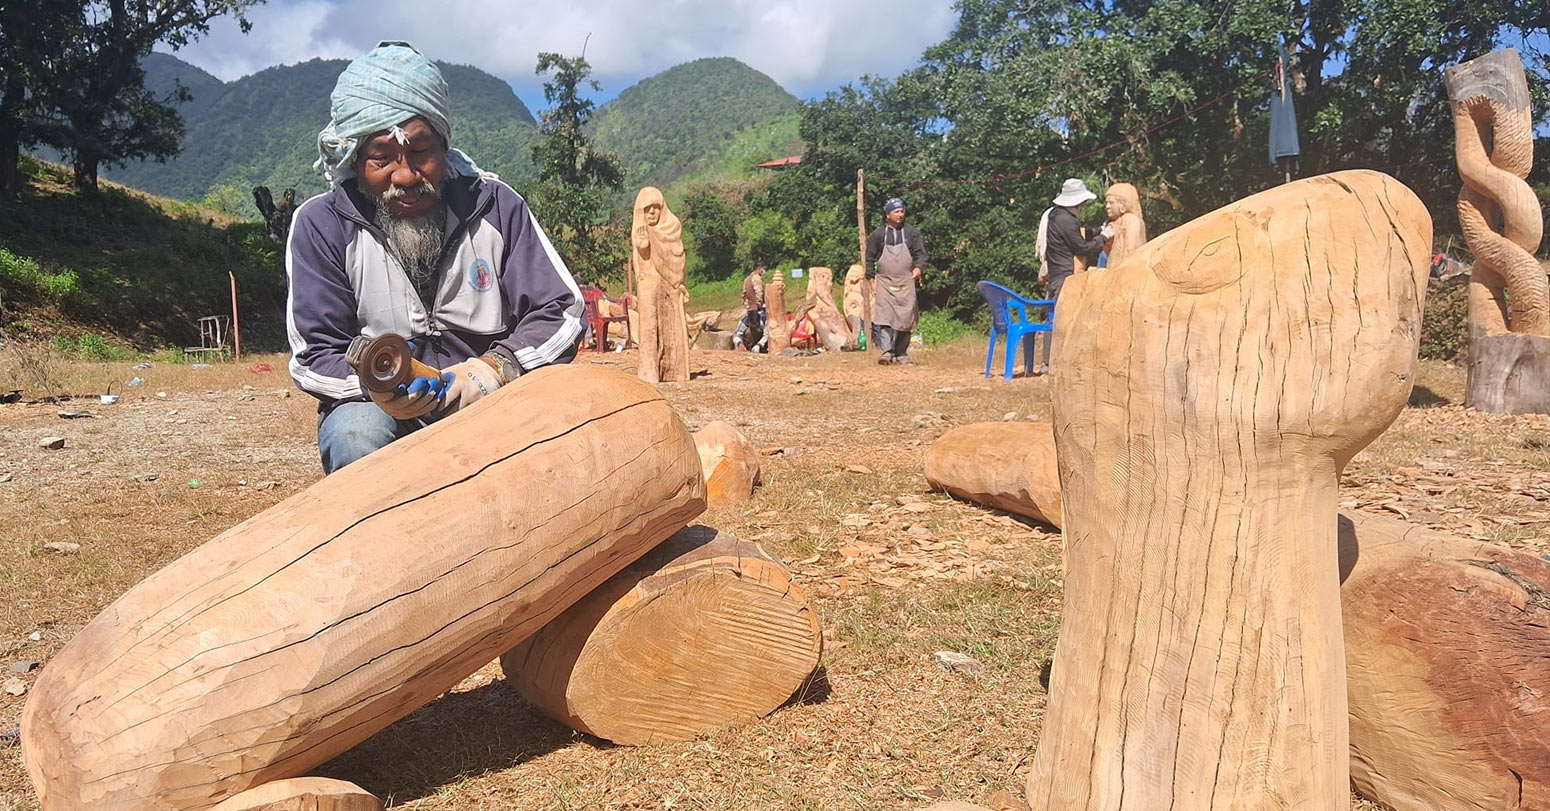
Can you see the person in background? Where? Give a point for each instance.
(895, 260)
(753, 302)
(1061, 240)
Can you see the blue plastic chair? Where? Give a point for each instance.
(1009, 317)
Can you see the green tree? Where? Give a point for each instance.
(229, 200)
(710, 228)
(573, 176)
(32, 34)
(95, 105)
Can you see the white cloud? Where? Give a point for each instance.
(806, 45)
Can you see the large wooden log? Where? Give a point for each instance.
(1009, 465)
(730, 463)
(1446, 641)
(303, 794)
(1207, 393)
(706, 632)
(305, 629)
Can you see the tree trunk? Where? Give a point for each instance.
(706, 632)
(1203, 411)
(303, 794)
(85, 167)
(730, 463)
(10, 137)
(1509, 373)
(307, 628)
(1007, 465)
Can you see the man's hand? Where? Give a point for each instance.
(414, 399)
(915, 274)
(472, 380)
(1107, 231)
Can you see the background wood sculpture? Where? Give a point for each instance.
(777, 324)
(1509, 294)
(1123, 203)
(1445, 639)
(856, 301)
(307, 628)
(730, 463)
(828, 324)
(705, 632)
(658, 264)
(303, 794)
(1204, 407)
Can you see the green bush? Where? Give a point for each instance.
(88, 346)
(939, 327)
(23, 272)
(1445, 322)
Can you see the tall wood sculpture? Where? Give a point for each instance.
(828, 324)
(307, 628)
(1445, 638)
(1509, 294)
(1123, 203)
(658, 262)
(856, 300)
(705, 632)
(777, 322)
(1206, 397)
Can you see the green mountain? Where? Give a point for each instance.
(262, 128)
(699, 119)
(711, 118)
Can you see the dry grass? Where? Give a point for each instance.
(883, 730)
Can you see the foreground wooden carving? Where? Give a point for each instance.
(730, 463)
(1203, 411)
(659, 265)
(305, 629)
(1445, 639)
(705, 632)
(1509, 293)
(303, 794)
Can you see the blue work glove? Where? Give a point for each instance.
(415, 399)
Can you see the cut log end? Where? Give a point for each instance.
(303, 794)
(1509, 374)
(706, 632)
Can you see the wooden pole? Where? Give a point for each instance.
(236, 329)
(866, 287)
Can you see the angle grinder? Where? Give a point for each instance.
(385, 362)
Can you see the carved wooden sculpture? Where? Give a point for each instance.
(1008, 465)
(1509, 294)
(1445, 638)
(829, 325)
(777, 324)
(855, 300)
(1206, 397)
(303, 794)
(705, 632)
(730, 463)
(307, 628)
(658, 261)
(1123, 203)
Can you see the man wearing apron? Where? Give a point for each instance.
(895, 259)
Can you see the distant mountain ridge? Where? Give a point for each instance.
(704, 118)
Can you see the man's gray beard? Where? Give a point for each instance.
(414, 243)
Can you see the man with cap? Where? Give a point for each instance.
(753, 304)
(1060, 240)
(895, 260)
(414, 239)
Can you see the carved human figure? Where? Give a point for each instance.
(658, 260)
(828, 325)
(1206, 395)
(1123, 203)
(855, 299)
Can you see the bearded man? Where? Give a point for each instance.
(414, 239)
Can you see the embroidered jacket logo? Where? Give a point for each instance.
(479, 275)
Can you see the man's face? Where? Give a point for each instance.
(404, 178)
(896, 217)
(653, 213)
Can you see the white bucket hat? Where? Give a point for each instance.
(1073, 192)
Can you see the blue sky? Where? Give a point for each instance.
(808, 46)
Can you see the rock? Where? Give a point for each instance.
(862, 469)
(284, 394)
(1009, 416)
(147, 478)
(161, 395)
(35, 636)
(74, 415)
(956, 662)
(796, 380)
(51, 443)
(23, 668)
(14, 687)
(62, 547)
(266, 485)
(5, 477)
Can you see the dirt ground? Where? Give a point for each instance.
(192, 452)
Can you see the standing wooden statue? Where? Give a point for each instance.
(777, 322)
(658, 261)
(829, 326)
(855, 300)
(1123, 203)
(1509, 294)
(1207, 394)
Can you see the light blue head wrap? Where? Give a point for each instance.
(381, 89)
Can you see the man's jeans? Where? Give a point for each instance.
(355, 429)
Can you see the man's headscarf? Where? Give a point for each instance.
(893, 204)
(382, 89)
